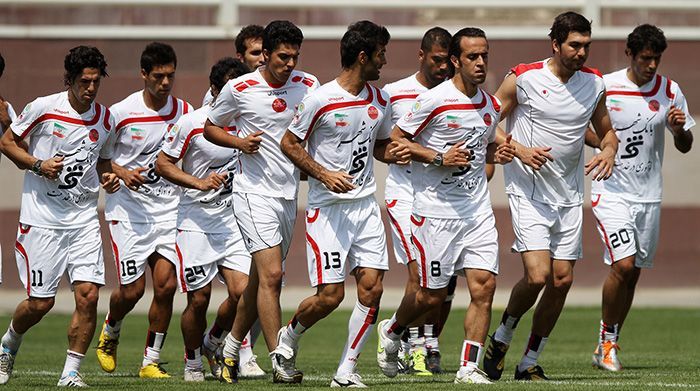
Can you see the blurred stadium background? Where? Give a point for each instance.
(36, 34)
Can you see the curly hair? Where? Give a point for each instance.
(81, 57)
(362, 36)
(646, 36)
(225, 69)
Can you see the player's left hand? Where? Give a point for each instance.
(110, 182)
(401, 151)
(505, 152)
(601, 165)
(675, 119)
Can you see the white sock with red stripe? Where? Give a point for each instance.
(535, 346)
(11, 340)
(359, 328)
(471, 355)
(246, 350)
(394, 329)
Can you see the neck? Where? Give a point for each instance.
(154, 103)
(351, 81)
(424, 80)
(562, 73)
(636, 80)
(270, 78)
(465, 87)
(79, 107)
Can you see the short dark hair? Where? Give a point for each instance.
(2, 65)
(566, 23)
(467, 32)
(81, 57)
(362, 36)
(224, 69)
(251, 31)
(435, 36)
(156, 54)
(280, 32)
(646, 36)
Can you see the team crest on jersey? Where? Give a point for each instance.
(454, 122)
(25, 111)
(58, 130)
(654, 105)
(279, 105)
(173, 129)
(487, 119)
(137, 134)
(415, 107)
(372, 112)
(94, 135)
(341, 119)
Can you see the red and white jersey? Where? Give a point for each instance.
(402, 95)
(138, 139)
(211, 211)
(555, 114)
(340, 130)
(441, 118)
(54, 129)
(253, 105)
(638, 115)
(11, 113)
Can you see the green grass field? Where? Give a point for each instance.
(659, 352)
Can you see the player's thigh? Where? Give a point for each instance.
(85, 258)
(41, 259)
(437, 245)
(616, 227)
(567, 234)
(197, 260)
(260, 220)
(399, 212)
(329, 234)
(647, 229)
(532, 222)
(479, 244)
(132, 244)
(368, 247)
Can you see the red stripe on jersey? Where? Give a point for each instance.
(317, 255)
(421, 262)
(391, 204)
(182, 268)
(652, 92)
(441, 109)
(62, 118)
(369, 319)
(404, 242)
(193, 133)
(607, 242)
(154, 118)
(522, 68)
(380, 98)
(22, 251)
(495, 104)
(339, 105)
(402, 97)
(115, 251)
(416, 221)
(670, 94)
(592, 70)
(312, 218)
(105, 122)
(23, 230)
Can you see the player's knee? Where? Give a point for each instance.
(537, 280)
(41, 305)
(483, 295)
(625, 270)
(430, 297)
(562, 282)
(86, 301)
(235, 291)
(165, 288)
(370, 297)
(271, 279)
(199, 300)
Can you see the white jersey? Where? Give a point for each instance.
(208, 98)
(10, 113)
(555, 114)
(254, 105)
(211, 211)
(341, 129)
(140, 133)
(54, 129)
(402, 96)
(638, 115)
(441, 118)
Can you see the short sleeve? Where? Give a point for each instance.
(10, 113)
(107, 150)
(387, 124)
(306, 117)
(27, 121)
(414, 121)
(225, 109)
(175, 144)
(496, 104)
(208, 98)
(680, 102)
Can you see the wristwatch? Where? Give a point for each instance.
(437, 160)
(36, 167)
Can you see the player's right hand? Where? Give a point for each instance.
(133, 179)
(110, 182)
(457, 156)
(535, 157)
(51, 168)
(251, 143)
(212, 182)
(337, 181)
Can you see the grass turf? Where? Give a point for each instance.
(660, 352)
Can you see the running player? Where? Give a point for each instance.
(248, 46)
(548, 105)
(419, 341)
(261, 105)
(642, 104)
(58, 227)
(7, 115)
(453, 133)
(143, 213)
(208, 240)
(343, 123)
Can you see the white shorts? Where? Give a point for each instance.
(540, 226)
(448, 246)
(265, 222)
(133, 243)
(627, 228)
(399, 212)
(200, 255)
(343, 236)
(44, 254)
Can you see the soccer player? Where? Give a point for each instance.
(419, 343)
(627, 207)
(248, 45)
(58, 227)
(261, 105)
(142, 214)
(7, 115)
(344, 123)
(451, 130)
(208, 240)
(548, 105)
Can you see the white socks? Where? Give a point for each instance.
(359, 328)
(73, 360)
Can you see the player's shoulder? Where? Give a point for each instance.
(243, 83)
(493, 101)
(407, 85)
(131, 104)
(381, 96)
(195, 118)
(528, 68)
(591, 72)
(303, 79)
(45, 104)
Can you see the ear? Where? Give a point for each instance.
(421, 55)
(628, 53)
(455, 62)
(362, 58)
(144, 74)
(555, 46)
(266, 55)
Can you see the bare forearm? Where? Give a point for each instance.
(683, 141)
(298, 155)
(11, 146)
(174, 174)
(218, 136)
(104, 166)
(609, 141)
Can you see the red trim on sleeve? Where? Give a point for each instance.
(670, 94)
(185, 106)
(522, 68)
(594, 71)
(402, 97)
(652, 92)
(380, 98)
(192, 133)
(494, 102)
(339, 105)
(154, 118)
(105, 122)
(441, 109)
(63, 118)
